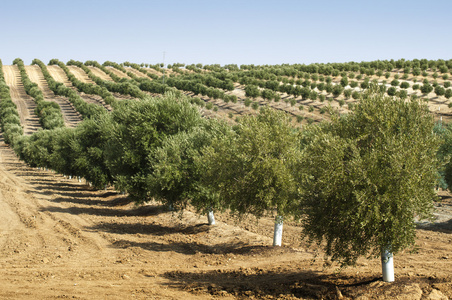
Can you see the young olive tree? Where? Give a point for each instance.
(138, 128)
(253, 170)
(366, 175)
(178, 165)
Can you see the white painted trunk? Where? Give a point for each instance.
(387, 265)
(211, 217)
(277, 236)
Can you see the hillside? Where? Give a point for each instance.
(61, 238)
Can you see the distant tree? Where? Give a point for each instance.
(328, 79)
(440, 91)
(348, 93)
(344, 81)
(404, 85)
(448, 93)
(392, 91)
(395, 82)
(252, 91)
(402, 94)
(426, 88)
(337, 90)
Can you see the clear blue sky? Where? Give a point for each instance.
(225, 31)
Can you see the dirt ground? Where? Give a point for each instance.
(61, 239)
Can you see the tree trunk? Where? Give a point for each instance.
(277, 236)
(211, 217)
(387, 265)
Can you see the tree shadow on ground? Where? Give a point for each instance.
(102, 211)
(192, 247)
(444, 227)
(261, 284)
(181, 239)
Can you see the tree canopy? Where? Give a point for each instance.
(365, 175)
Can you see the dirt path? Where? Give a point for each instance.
(136, 72)
(71, 117)
(58, 74)
(118, 72)
(80, 74)
(99, 73)
(25, 104)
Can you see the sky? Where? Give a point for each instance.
(225, 31)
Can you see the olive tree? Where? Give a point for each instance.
(178, 166)
(366, 175)
(253, 170)
(137, 128)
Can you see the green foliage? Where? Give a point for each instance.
(252, 91)
(402, 94)
(365, 175)
(88, 151)
(426, 88)
(49, 113)
(404, 85)
(448, 93)
(137, 129)
(392, 91)
(9, 116)
(337, 90)
(253, 169)
(178, 166)
(348, 93)
(440, 91)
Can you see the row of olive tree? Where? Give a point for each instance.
(127, 87)
(144, 84)
(142, 70)
(83, 87)
(355, 183)
(87, 110)
(9, 116)
(49, 113)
